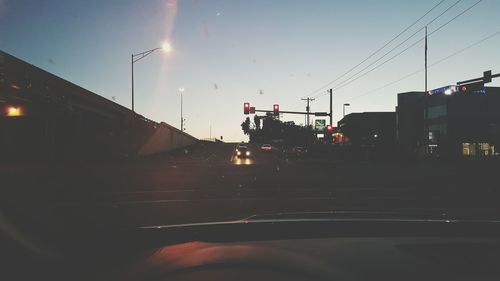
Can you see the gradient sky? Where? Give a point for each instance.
(261, 51)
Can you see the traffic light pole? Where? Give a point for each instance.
(480, 79)
(329, 128)
(296, 112)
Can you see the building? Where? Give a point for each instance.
(410, 123)
(449, 122)
(369, 129)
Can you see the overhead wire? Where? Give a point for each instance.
(406, 49)
(379, 49)
(433, 64)
(401, 43)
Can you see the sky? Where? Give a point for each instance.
(264, 52)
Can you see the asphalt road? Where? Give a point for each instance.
(208, 183)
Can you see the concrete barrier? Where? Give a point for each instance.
(166, 138)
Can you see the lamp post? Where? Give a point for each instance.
(137, 57)
(181, 90)
(343, 108)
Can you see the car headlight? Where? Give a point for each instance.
(248, 153)
(238, 153)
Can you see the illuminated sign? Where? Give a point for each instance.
(319, 125)
(447, 90)
(450, 90)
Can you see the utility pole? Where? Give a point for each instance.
(308, 109)
(426, 102)
(426, 59)
(331, 107)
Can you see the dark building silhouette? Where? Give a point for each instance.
(410, 123)
(369, 129)
(449, 123)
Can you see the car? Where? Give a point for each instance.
(243, 152)
(266, 147)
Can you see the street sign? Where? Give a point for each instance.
(321, 114)
(319, 125)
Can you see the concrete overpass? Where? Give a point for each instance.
(46, 117)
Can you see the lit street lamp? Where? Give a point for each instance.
(343, 108)
(166, 47)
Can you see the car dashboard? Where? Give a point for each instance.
(405, 258)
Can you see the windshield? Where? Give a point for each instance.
(126, 114)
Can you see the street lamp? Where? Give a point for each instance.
(166, 47)
(343, 108)
(181, 90)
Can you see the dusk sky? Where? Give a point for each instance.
(264, 52)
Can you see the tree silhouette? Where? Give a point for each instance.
(245, 126)
(256, 121)
(269, 129)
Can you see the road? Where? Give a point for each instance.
(208, 183)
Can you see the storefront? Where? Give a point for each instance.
(449, 123)
(475, 150)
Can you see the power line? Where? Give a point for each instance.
(348, 80)
(433, 64)
(381, 48)
(407, 48)
(466, 10)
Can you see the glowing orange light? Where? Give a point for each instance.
(13, 111)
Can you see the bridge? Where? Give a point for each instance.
(44, 117)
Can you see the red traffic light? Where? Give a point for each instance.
(276, 109)
(472, 87)
(246, 108)
(329, 128)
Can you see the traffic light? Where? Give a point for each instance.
(329, 128)
(487, 76)
(276, 109)
(246, 108)
(472, 87)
